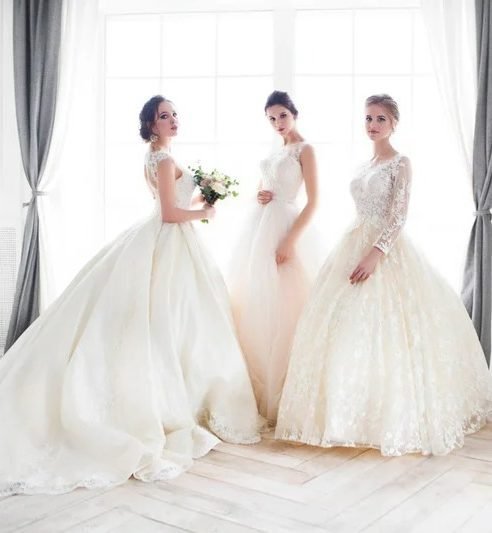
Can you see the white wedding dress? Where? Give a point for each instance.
(134, 370)
(267, 298)
(393, 362)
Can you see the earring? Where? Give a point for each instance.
(154, 138)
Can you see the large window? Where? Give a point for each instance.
(220, 64)
(218, 83)
(362, 51)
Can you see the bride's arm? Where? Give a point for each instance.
(197, 198)
(398, 209)
(166, 183)
(396, 219)
(263, 196)
(310, 175)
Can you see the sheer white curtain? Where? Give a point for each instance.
(72, 213)
(451, 32)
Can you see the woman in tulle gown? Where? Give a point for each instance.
(135, 369)
(270, 276)
(385, 355)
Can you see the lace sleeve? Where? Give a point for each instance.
(398, 209)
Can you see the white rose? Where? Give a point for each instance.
(218, 187)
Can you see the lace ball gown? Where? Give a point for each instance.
(268, 298)
(393, 362)
(134, 370)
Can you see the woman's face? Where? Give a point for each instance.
(379, 123)
(166, 120)
(281, 119)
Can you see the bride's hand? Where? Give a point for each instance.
(264, 197)
(284, 252)
(209, 211)
(366, 266)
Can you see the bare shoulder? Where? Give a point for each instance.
(307, 148)
(165, 162)
(307, 152)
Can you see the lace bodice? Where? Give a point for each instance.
(381, 193)
(184, 185)
(282, 172)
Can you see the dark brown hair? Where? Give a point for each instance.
(283, 99)
(148, 114)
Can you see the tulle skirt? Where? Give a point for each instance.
(268, 298)
(392, 363)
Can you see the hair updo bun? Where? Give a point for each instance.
(283, 99)
(148, 114)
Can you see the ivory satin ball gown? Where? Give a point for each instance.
(393, 362)
(134, 370)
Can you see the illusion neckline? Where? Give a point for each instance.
(159, 150)
(385, 161)
(292, 144)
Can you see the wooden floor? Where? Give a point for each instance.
(275, 486)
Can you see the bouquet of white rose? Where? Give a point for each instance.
(213, 185)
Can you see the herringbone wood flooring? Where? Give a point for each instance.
(275, 487)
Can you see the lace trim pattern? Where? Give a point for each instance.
(37, 484)
(223, 429)
(389, 448)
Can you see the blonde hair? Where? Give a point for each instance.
(388, 103)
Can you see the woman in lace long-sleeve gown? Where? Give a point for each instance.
(135, 369)
(389, 360)
(270, 277)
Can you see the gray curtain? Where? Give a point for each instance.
(37, 35)
(477, 289)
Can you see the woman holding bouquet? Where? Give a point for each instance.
(270, 277)
(135, 369)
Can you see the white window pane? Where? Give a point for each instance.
(124, 101)
(324, 42)
(423, 59)
(128, 197)
(188, 44)
(325, 107)
(195, 103)
(241, 161)
(437, 171)
(336, 207)
(245, 43)
(133, 46)
(397, 87)
(240, 103)
(192, 153)
(383, 42)
(428, 109)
